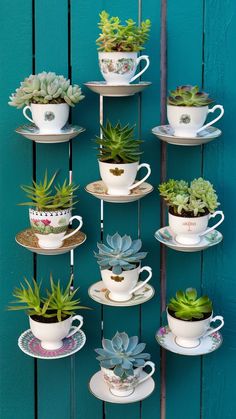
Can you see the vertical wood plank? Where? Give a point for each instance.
(84, 18)
(219, 167)
(17, 369)
(183, 270)
(150, 206)
(122, 217)
(51, 54)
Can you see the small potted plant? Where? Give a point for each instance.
(187, 110)
(120, 264)
(122, 361)
(189, 317)
(118, 159)
(52, 210)
(118, 46)
(48, 97)
(190, 208)
(51, 315)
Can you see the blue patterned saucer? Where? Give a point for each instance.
(32, 132)
(166, 133)
(30, 345)
(166, 236)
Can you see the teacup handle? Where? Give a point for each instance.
(214, 120)
(75, 217)
(142, 57)
(218, 327)
(81, 322)
(25, 113)
(149, 270)
(150, 364)
(215, 225)
(135, 185)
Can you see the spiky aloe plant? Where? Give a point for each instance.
(43, 198)
(122, 253)
(188, 96)
(118, 144)
(58, 302)
(186, 305)
(117, 37)
(46, 88)
(122, 354)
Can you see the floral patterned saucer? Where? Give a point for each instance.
(30, 345)
(27, 239)
(104, 89)
(166, 133)
(101, 294)
(167, 237)
(32, 132)
(210, 343)
(99, 389)
(99, 190)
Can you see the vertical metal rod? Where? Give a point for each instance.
(163, 177)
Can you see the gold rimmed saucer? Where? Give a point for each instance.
(99, 190)
(27, 239)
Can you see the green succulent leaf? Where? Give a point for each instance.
(187, 306)
(188, 96)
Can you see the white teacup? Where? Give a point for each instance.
(51, 334)
(189, 231)
(49, 118)
(187, 121)
(125, 387)
(119, 178)
(188, 333)
(123, 286)
(50, 227)
(118, 68)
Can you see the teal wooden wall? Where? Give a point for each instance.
(59, 35)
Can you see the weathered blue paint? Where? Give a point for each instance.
(65, 33)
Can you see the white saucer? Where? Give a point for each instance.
(99, 293)
(99, 189)
(167, 237)
(32, 132)
(31, 346)
(166, 339)
(165, 133)
(27, 239)
(104, 89)
(99, 389)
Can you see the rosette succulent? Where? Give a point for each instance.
(122, 354)
(118, 144)
(194, 199)
(121, 253)
(187, 306)
(117, 37)
(46, 88)
(43, 198)
(188, 96)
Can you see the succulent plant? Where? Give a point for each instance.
(43, 199)
(58, 302)
(118, 144)
(195, 199)
(46, 88)
(117, 37)
(122, 253)
(188, 96)
(122, 354)
(186, 305)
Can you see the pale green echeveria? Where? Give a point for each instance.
(122, 354)
(44, 88)
(187, 306)
(197, 198)
(120, 253)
